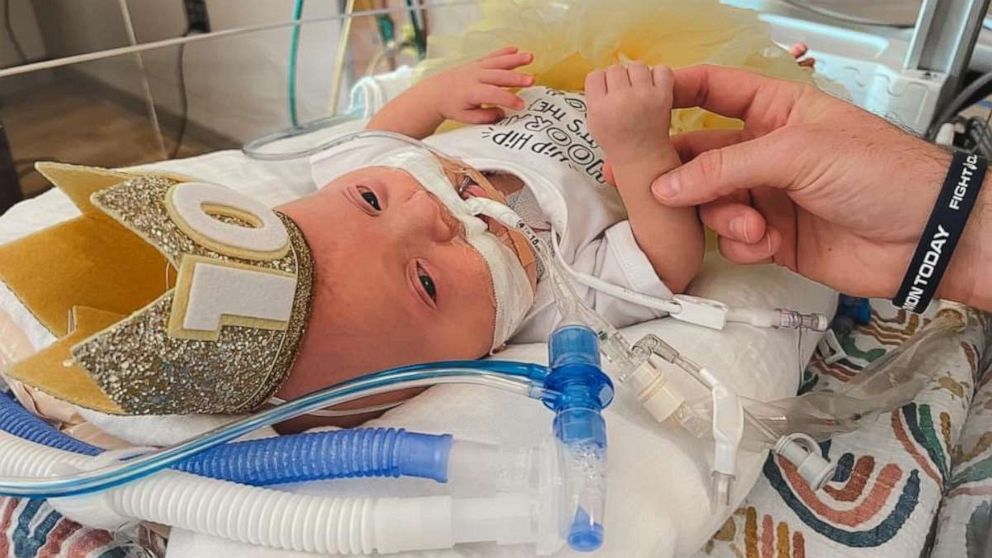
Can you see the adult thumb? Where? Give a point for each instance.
(719, 172)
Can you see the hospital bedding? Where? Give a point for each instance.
(649, 534)
(930, 460)
(767, 523)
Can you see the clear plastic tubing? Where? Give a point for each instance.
(520, 378)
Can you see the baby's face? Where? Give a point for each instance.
(395, 280)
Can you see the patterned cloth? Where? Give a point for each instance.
(892, 473)
(964, 521)
(884, 500)
(31, 528)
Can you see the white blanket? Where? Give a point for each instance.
(659, 477)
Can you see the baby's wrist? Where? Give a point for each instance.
(661, 155)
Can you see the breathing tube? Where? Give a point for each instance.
(111, 489)
(728, 419)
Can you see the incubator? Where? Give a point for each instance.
(548, 496)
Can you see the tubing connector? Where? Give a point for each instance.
(780, 318)
(803, 452)
(584, 391)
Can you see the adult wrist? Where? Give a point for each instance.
(965, 281)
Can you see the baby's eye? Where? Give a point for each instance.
(370, 198)
(427, 283)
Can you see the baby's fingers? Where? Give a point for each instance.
(482, 115)
(506, 61)
(506, 78)
(501, 51)
(493, 95)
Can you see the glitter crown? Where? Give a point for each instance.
(167, 295)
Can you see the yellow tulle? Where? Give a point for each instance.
(570, 38)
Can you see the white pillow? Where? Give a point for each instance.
(659, 478)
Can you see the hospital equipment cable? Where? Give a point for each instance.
(11, 34)
(419, 29)
(183, 98)
(971, 94)
(146, 87)
(294, 52)
(343, 39)
(154, 45)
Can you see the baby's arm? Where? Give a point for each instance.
(629, 115)
(470, 93)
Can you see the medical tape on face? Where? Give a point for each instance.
(511, 287)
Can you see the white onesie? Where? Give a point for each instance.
(547, 146)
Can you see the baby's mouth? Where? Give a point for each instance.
(473, 190)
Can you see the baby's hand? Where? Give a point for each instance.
(630, 110)
(472, 93)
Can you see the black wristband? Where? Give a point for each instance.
(943, 231)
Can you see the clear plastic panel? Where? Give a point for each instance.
(91, 97)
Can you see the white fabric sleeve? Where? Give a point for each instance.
(619, 260)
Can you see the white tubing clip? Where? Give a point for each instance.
(802, 451)
(701, 311)
(830, 348)
(728, 429)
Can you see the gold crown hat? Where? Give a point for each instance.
(167, 295)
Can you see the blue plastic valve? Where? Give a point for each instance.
(583, 392)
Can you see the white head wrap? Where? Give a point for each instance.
(511, 287)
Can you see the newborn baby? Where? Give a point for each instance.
(379, 268)
(395, 279)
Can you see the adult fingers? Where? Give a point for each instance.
(762, 102)
(780, 213)
(734, 220)
(750, 253)
(721, 172)
(662, 77)
(690, 144)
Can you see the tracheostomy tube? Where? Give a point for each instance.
(640, 370)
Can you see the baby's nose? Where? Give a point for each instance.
(428, 216)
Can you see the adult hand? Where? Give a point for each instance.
(813, 183)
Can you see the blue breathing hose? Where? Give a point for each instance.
(359, 452)
(524, 379)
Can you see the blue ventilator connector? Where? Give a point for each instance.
(582, 392)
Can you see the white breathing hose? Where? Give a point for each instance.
(259, 516)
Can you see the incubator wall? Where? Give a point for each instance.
(121, 83)
(183, 94)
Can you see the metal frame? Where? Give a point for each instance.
(944, 39)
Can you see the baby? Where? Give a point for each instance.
(383, 266)
(397, 282)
